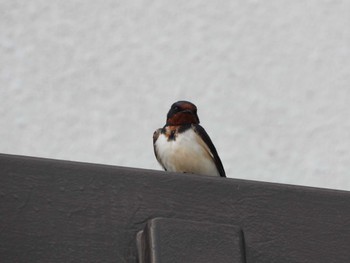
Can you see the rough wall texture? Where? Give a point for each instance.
(87, 80)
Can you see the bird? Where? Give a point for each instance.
(184, 146)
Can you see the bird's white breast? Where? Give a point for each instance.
(187, 153)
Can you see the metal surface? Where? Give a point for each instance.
(59, 211)
(167, 240)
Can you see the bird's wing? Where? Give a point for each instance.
(155, 138)
(210, 147)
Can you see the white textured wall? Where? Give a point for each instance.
(91, 80)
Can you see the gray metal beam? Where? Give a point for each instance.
(60, 211)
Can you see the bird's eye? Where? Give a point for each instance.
(176, 108)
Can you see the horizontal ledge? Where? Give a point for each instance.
(63, 211)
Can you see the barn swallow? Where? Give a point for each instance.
(182, 145)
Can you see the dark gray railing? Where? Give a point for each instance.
(60, 211)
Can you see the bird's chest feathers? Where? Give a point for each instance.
(185, 152)
(179, 144)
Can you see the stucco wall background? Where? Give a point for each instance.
(88, 81)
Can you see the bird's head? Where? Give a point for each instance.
(181, 113)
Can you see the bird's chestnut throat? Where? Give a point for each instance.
(182, 118)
